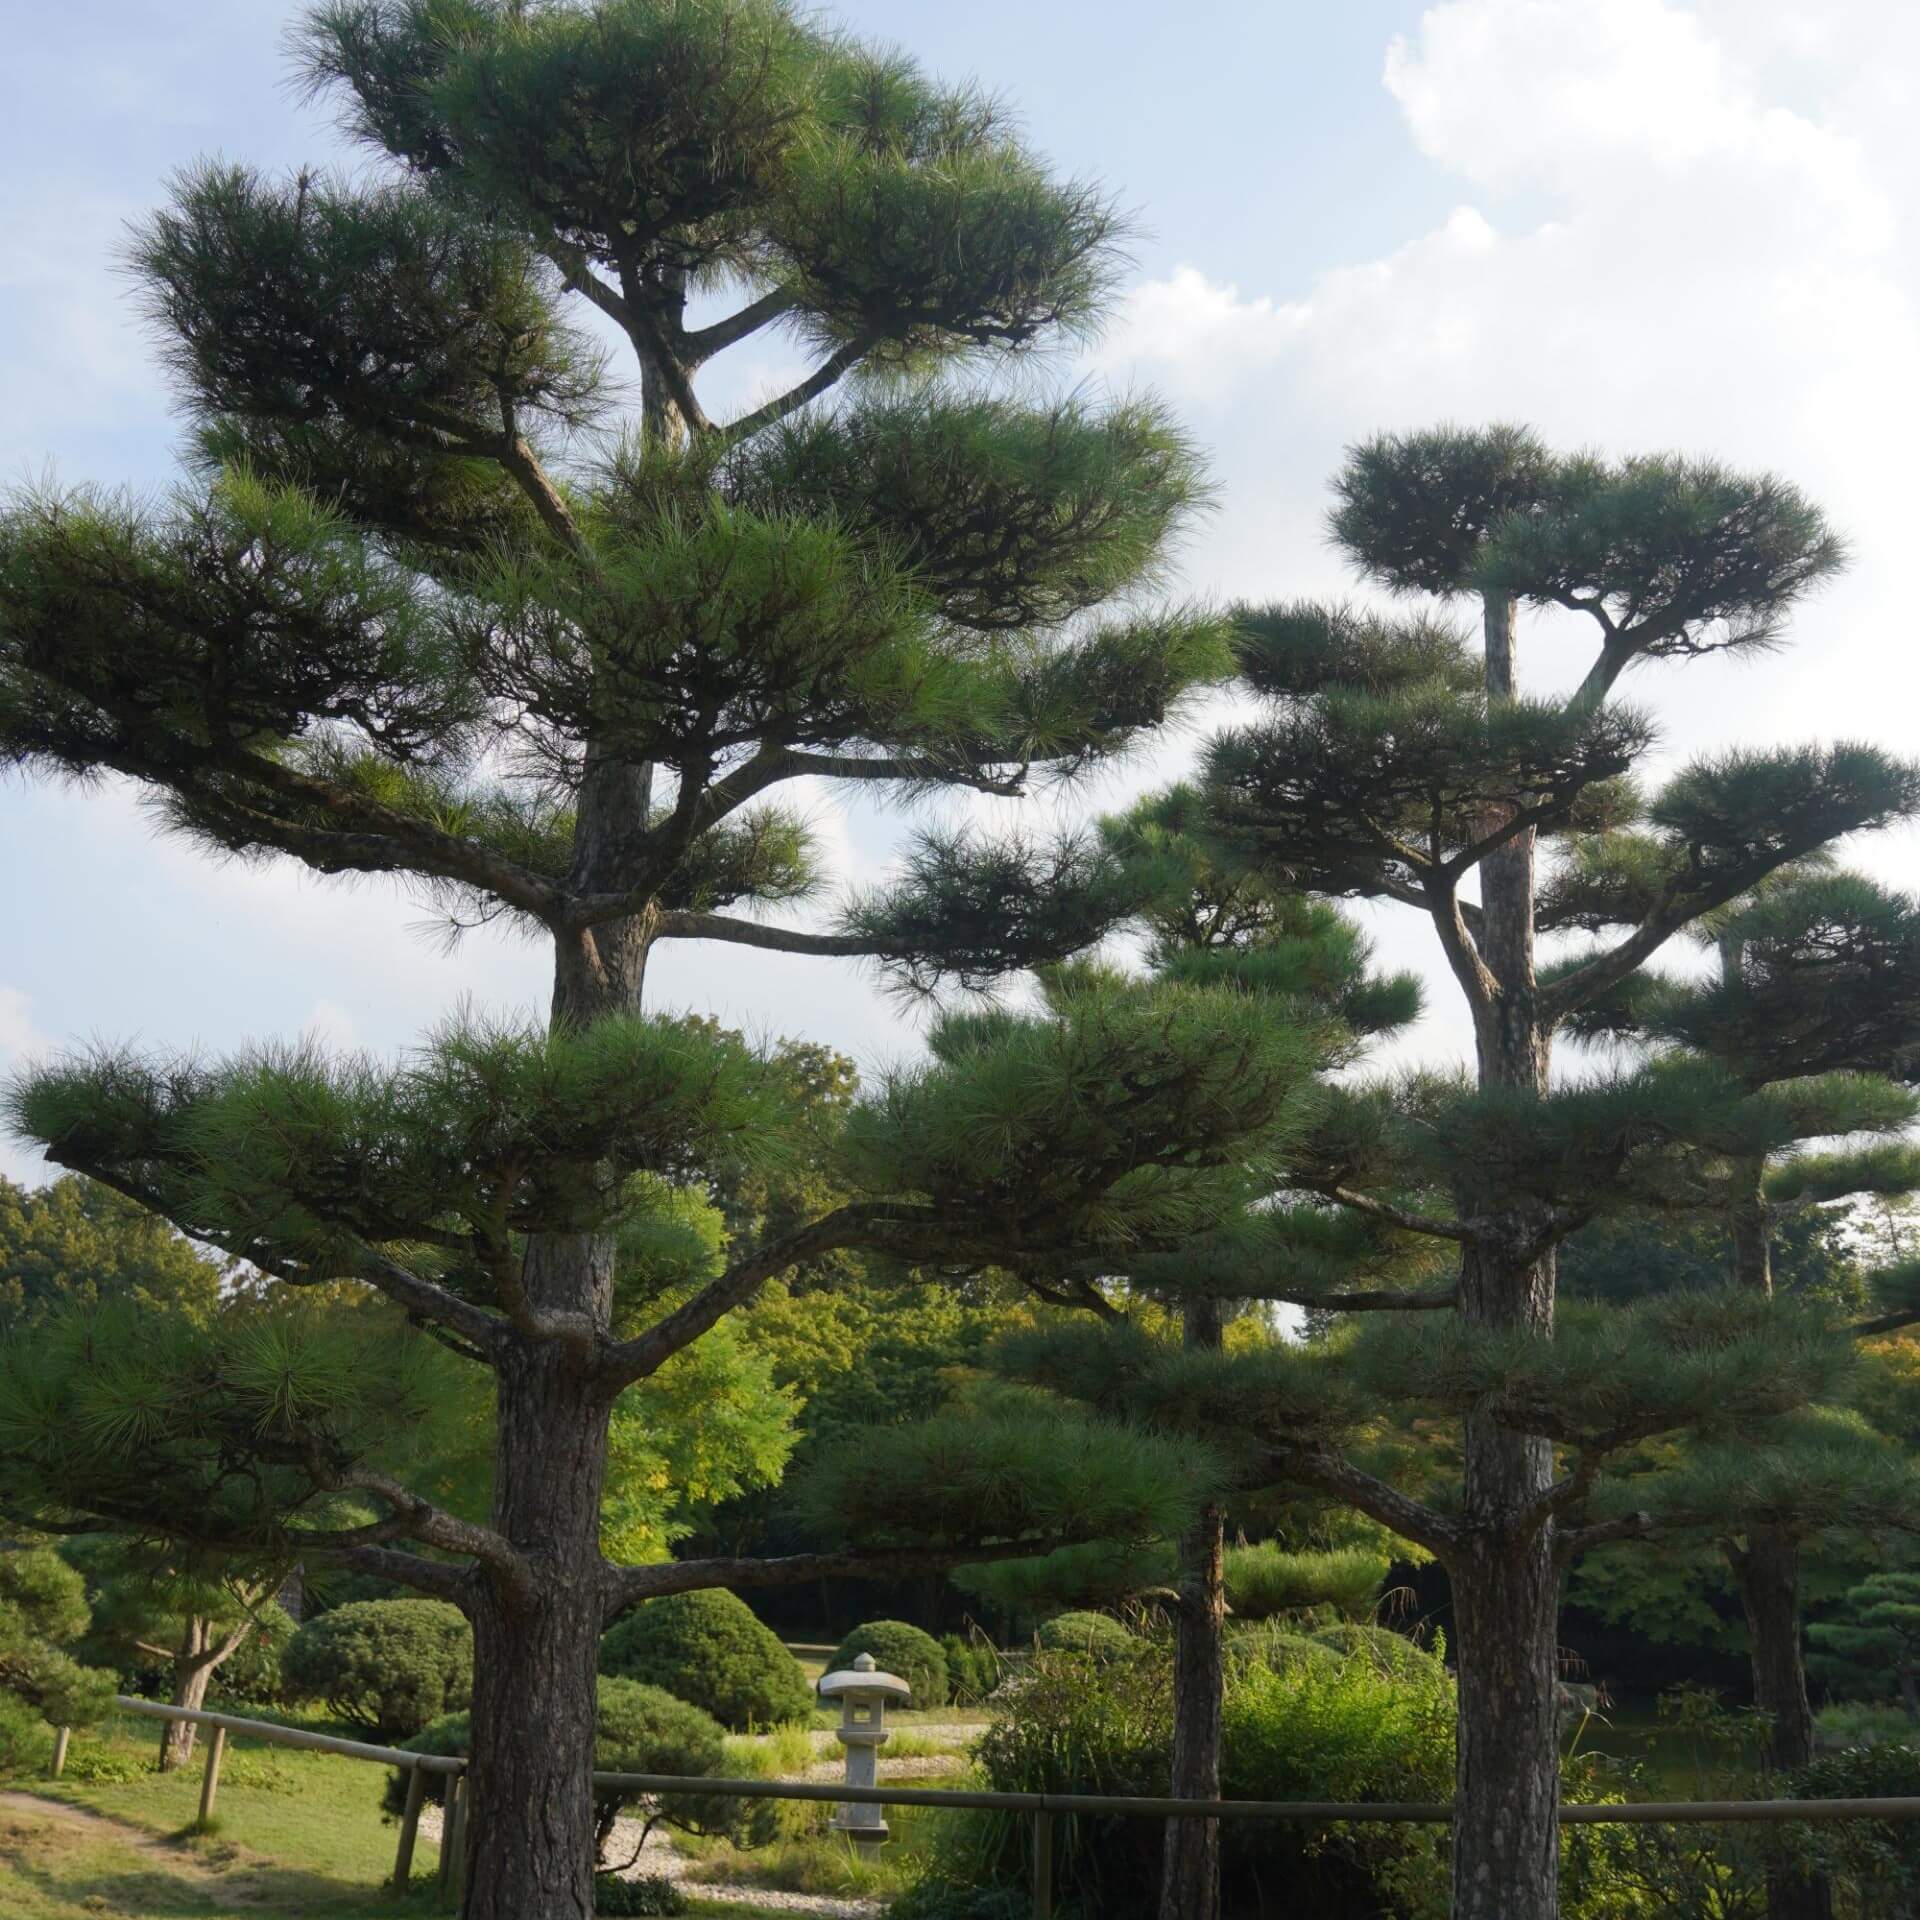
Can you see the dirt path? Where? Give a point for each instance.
(238, 1885)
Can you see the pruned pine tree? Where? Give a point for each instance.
(1876, 1637)
(432, 616)
(1304, 969)
(1812, 1009)
(1401, 760)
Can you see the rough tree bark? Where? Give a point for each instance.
(1190, 1858)
(1504, 1579)
(530, 1835)
(195, 1661)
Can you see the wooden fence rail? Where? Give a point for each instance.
(1039, 1807)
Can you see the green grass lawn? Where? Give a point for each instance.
(300, 1836)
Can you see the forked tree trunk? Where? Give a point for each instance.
(530, 1832)
(1190, 1857)
(192, 1673)
(1504, 1580)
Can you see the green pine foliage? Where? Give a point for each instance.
(390, 1666)
(1871, 1647)
(43, 1612)
(708, 1649)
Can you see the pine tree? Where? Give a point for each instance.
(1305, 970)
(1813, 1004)
(427, 614)
(1813, 1009)
(1400, 761)
(1878, 1634)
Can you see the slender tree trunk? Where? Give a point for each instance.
(1910, 1695)
(530, 1835)
(1767, 1574)
(191, 1674)
(1190, 1858)
(1505, 1583)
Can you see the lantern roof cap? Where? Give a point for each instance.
(864, 1677)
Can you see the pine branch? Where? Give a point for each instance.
(702, 343)
(419, 1519)
(1411, 1519)
(625, 1585)
(841, 361)
(1627, 1526)
(440, 1578)
(683, 924)
(1442, 903)
(1429, 1224)
(856, 1224)
(1366, 1299)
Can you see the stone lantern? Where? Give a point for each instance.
(863, 1692)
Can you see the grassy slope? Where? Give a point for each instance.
(300, 1837)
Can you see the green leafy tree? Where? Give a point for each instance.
(79, 1242)
(432, 617)
(1401, 759)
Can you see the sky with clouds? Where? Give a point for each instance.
(1635, 224)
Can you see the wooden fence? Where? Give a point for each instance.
(1040, 1808)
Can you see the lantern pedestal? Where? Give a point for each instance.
(863, 1692)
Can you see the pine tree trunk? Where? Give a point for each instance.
(530, 1830)
(1190, 1857)
(1506, 1598)
(1505, 1583)
(1767, 1574)
(530, 1826)
(191, 1673)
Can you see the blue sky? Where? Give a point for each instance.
(1635, 223)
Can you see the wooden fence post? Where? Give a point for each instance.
(61, 1735)
(453, 1822)
(210, 1780)
(1043, 1865)
(462, 1811)
(409, 1827)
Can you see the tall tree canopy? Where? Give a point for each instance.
(462, 595)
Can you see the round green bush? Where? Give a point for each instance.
(1381, 1647)
(1097, 1634)
(918, 1658)
(390, 1666)
(708, 1648)
(637, 1729)
(651, 1894)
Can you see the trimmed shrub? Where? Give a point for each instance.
(936, 1900)
(638, 1729)
(390, 1666)
(1266, 1580)
(651, 1894)
(709, 1648)
(1096, 1634)
(1277, 1649)
(974, 1669)
(1387, 1651)
(901, 1649)
(25, 1738)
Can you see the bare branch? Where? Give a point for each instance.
(441, 1578)
(1627, 1526)
(681, 924)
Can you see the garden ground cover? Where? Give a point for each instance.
(299, 1836)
